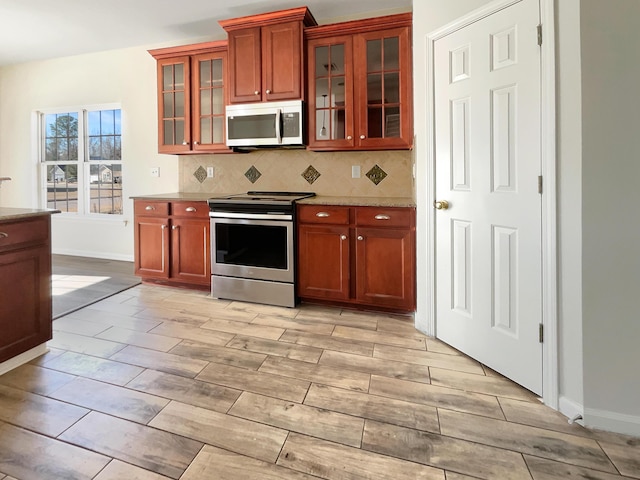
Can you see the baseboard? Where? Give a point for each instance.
(92, 254)
(23, 358)
(570, 408)
(612, 421)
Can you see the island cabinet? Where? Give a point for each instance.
(171, 241)
(360, 84)
(25, 283)
(363, 256)
(191, 98)
(266, 55)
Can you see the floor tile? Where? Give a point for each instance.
(443, 397)
(256, 308)
(625, 457)
(457, 476)
(190, 332)
(438, 346)
(316, 422)
(451, 362)
(339, 462)
(185, 390)
(444, 452)
(117, 470)
(247, 329)
(118, 401)
(109, 319)
(35, 379)
(140, 339)
(543, 469)
(164, 362)
(217, 354)
(82, 344)
(276, 348)
(376, 366)
(316, 373)
(294, 324)
(221, 464)
(163, 452)
(328, 343)
(37, 413)
(50, 355)
(26, 455)
(364, 405)
(94, 367)
(277, 386)
(75, 325)
(220, 430)
(399, 326)
(335, 318)
(524, 439)
(378, 337)
(158, 312)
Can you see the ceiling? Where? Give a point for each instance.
(40, 29)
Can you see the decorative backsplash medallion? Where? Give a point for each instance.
(310, 174)
(200, 174)
(253, 174)
(376, 174)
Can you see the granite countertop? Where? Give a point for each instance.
(9, 213)
(317, 200)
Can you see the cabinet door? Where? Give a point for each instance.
(209, 100)
(174, 105)
(25, 310)
(282, 61)
(330, 105)
(151, 243)
(385, 267)
(190, 251)
(383, 89)
(323, 262)
(245, 72)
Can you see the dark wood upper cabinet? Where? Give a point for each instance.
(267, 56)
(360, 84)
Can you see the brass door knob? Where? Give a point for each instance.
(441, 205)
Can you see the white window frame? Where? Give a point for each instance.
(83, 162)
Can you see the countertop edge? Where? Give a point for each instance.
(11, 213)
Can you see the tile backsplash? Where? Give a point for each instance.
(326, 173)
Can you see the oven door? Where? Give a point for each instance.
(251, 248)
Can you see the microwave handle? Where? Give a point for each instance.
(279, 125)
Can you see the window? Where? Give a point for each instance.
(81, 161)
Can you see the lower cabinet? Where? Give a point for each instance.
(172, 242)
(357, 255)
(25, 283)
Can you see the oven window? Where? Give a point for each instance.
(252, 126)
(251, 245)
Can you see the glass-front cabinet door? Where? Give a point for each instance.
(331, 112)
(174, 105)
(209, 101)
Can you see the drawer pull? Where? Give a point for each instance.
(322, 214)
(4, 235)
(163, 227)
(190, 209)
(360, 237)
(343, 237)
(382, 217)
(174, 227)
(148, 208)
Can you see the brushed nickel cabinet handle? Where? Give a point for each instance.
(362, 137)
(268, 91)
(343, 237)
(148, 208)
(256, 92)
(175, 227)
(190, 209)
(382, 217)
(163, 227)
(4, 235)
(360, 237)
(322, 214)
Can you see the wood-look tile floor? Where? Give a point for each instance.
(156, 383)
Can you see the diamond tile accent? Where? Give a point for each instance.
(200, 174)
(310, 174)
(253, 174)
(376, 174)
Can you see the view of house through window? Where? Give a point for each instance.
(82, 161)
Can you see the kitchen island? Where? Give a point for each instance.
(25, 285)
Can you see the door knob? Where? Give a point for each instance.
(441, 205)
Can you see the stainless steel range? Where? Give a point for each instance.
(253, 247)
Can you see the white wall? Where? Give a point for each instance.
(610, 202)
(121, 76)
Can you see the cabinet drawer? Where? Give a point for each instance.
(31, 231)
(385, 217)
(323, 214)
(190, 209)
(151, 208)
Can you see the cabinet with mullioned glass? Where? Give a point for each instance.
(191, 98)
(359, 84)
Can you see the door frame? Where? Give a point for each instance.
(425, 192)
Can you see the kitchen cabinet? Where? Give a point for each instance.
(171, 241)
(266, 55)
(360, 84)
(192, 96)
(25, 283)
(363, 256)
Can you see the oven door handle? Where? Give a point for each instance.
(251, 216)
(279, 125)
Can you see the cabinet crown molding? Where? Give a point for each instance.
(360, 26)
(192, 49)
(300, 14)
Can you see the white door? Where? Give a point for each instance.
(488, 161)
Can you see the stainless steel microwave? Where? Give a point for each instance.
(265, 124)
